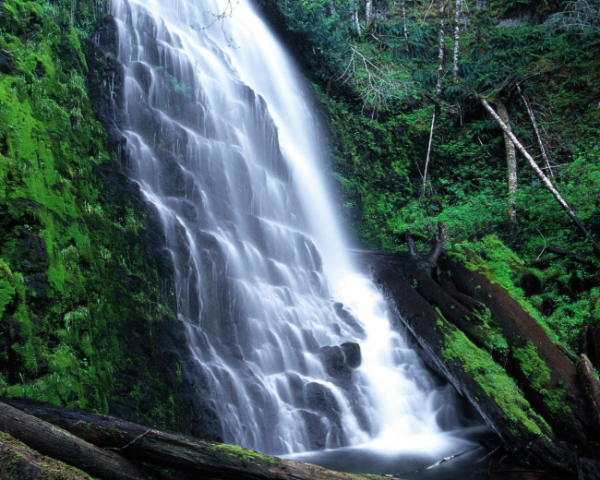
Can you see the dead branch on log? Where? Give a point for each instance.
(412, 248)
(438, 247)
(436, 251)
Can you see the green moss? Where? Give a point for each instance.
(493, 382)
(71, 244)
(15, 453)
(555, 397)
(245, 454)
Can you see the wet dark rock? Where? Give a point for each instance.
(346, 316)
(319, 398)
(317, 429)
(352, 354)
(339, 361)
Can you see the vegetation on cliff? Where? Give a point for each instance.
(86, 314)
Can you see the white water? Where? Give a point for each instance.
(220, 139)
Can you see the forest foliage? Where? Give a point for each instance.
(377, 93)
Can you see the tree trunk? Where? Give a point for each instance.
(511, 163)
(404, 23)
(507, 130)
(456, 40)
(368, 12)
(137, 442)
(332, 7)
(428, 154)
(57, 443)
(591, 387)
(537, 131)
(355, 19)
(440, 71)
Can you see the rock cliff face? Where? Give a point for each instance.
(86, 304)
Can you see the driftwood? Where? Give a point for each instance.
(58, 443)
(164, 449)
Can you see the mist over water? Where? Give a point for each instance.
(220, 139)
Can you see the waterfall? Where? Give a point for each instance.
(294, 343)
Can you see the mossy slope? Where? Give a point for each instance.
(85, 294)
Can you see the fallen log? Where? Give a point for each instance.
(543, 371)
(58, 443)
(471, 370)
(591, 387)
(186, 454)
(18, 462)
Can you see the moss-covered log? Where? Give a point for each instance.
(504, 406)
(177, 452)
(18, 462)
(57, 443)
(541, 368)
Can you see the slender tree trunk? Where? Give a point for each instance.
(507, 130)
(404, 23)
(537, 132)
(428, 154)
(440, 71)
(332, 7)
(456, 40)
(355, 19)
(511, 163)
(369, 12)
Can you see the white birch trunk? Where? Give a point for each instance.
(355, 19)
(456, 40)
(404, 23)
(369, 12)
(428, 154)
(511, 163)
(440, 72)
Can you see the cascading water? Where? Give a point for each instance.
(294, 345)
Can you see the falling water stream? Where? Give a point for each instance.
(293, 342)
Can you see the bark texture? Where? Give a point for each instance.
(457, 9)
(511, 164)
(58, 443)
(177, 455)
